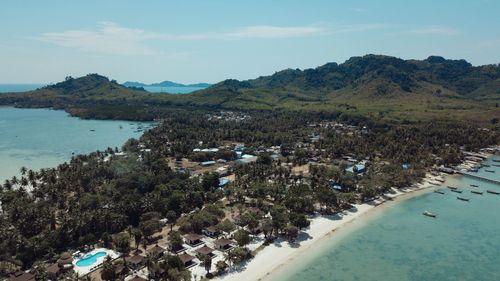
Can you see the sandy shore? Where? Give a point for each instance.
(275, 259)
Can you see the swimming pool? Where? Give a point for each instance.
(91, 259)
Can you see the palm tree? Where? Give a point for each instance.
(23, 170)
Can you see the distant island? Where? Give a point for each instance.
(165, 83)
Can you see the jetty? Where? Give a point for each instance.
(479, 177)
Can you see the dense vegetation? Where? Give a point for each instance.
(378, 87)
(90, 199)
(387, 111)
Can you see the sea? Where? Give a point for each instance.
(13, 88)
(400, 244)
(44, 138)
(173, 90)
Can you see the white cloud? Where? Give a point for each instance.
(358, 10)
(256, 32)
(111, 38)
(108, 38)
(435, 30)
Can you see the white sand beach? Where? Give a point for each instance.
(274, 259)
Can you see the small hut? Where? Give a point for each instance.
(193, 239)
(207, 251)
(223, 244)
(187, 260)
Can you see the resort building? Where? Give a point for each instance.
(135, 261)
(210, 231)
(187, 260)
(193, 239)
(156, 250)
(223, 244)
(21, 276)
(207, 251)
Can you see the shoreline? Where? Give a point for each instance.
(275, 260)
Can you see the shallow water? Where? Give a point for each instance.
(462, 243)
(42, 138)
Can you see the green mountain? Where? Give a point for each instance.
(378, 87)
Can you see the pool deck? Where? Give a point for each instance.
(83, 270)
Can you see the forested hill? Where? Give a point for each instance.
(379, 87)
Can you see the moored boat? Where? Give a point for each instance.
(490, 171)
(429, 214)
(456, 191)
(493, 192)
(474, 185)
(463, 199)
(476, 192)
(438, 191)
(452, 187)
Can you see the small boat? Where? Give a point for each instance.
(463, 199)
(496, 160)
(440, 180)
(452, 187)
(435, 183)
(490, 171)
(474, 185)
(485, 165)
(92, 130)
(438, 191)
(496, 165)
(456, 191)
(476, 192)
(429, 214)
(493, 192)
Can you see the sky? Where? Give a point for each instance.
(212, 40)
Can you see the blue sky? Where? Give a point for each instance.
(211, 40)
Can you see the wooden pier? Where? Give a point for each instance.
(479, 177)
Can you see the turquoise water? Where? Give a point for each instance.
(11, 88)
(42, 138)
(462, 243)
(172, 90)
(90, 260)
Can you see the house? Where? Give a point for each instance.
(223, 244)
(135, 261)
(210, 231)
(223, 182)
(187, 260)
(207, 163)
(21, 276)
(207, 251)
(356, 169)
(193, 239)
(157, 250)
(246, 159)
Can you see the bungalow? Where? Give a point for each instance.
(223, 182)
(356, 169)
(207, 251)
(135, 261)
(210, 231)
(193, 239)
(157, 250)
(207, 163)
(187, 260)
(21, 276)
(63, 264)
(223, 244)
(246, 159)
